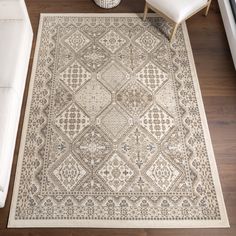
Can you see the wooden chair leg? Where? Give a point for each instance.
(174, 31)
(208, 7)
(145, 11)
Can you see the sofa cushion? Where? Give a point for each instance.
(13, 42)
(177, 10)
(9, 116)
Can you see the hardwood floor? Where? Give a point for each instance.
(217, 78)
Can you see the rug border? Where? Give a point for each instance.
(12, 223)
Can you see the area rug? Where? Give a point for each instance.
(115, 133)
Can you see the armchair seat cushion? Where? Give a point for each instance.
(177, 10)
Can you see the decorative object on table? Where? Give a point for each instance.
(107, 3)
(115, 133)
(177, 11)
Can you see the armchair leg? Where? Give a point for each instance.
(174, 31)
(145, 11)
(208, 7)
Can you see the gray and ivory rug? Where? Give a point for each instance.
(115, 133)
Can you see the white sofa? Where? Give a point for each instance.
(230, 25)
(15, 46)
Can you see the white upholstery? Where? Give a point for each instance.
(10, 50)
(12, 9)
(177, 10)
(229, 24)
(15, 46)
(9, 114)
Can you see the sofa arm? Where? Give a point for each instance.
(13, 10)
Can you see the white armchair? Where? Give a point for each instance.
(176, 11)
